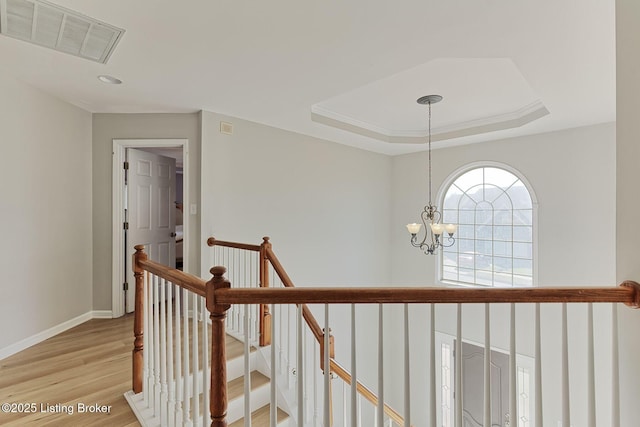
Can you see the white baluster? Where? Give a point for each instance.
(432, 366)
(316, 373)
(178, 359)
(458, 371)
(299, 368)
(327, 370)
(255, 324)
(538, 362)
(206, 372)
(281, 338)
(380, 406)
(513, 367)
(307, 372)
(354, 370)
(344, 403)
(156, 345)
(248, 276)
(615, 368)
(146, 337)
(407, 369)
(247, 373)
(289, 346)
(273, 412)
(195, 413)
(186, 408)
(566, 409)
(487, 365)
(282, 341)
(591, 384)
(164, 398)
(171, 414)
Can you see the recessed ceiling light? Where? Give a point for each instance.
(109, 79)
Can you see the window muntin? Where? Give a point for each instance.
(494, 212)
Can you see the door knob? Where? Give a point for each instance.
(173, 234)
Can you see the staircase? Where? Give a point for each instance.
(259, 399)
(260, 387)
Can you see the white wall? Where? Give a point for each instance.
(628, 202)
(46, 256)
(325, 206)
(573, 175)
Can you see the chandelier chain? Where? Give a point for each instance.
(429, 153)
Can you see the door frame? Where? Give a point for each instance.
(117, 191)
(522, 361)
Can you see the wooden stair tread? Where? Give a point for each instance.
(235, 388)
(260, 417)
(235, 348)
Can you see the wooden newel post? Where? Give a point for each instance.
(265, 315)
(218, 395)
(138, 346)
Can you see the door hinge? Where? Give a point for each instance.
(125, 226)
(126, 172)
(125, 286)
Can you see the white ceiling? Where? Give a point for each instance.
(347, 71)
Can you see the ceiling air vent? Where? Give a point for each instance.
(52, 26)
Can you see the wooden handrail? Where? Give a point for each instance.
(177, 277)
(212, 241)
(627, 293)
(365, 391)
(288, 283)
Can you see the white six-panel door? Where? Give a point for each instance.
(151, 195)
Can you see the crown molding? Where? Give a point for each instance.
(516, 118)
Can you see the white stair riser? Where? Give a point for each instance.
(235, 367)
(259, 398)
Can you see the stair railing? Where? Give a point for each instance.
(172, 333)
(233, 254)
(627, 293)
(434, 296)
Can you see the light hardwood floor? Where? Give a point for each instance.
(89, 364)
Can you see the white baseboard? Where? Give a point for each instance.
(102, 314)
(55, 330)
(145, 416)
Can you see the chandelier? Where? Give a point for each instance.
(433, 234)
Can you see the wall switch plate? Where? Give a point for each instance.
(193, 209)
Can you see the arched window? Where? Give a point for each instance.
(494, 210)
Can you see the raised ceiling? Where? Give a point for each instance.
(349, 72)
